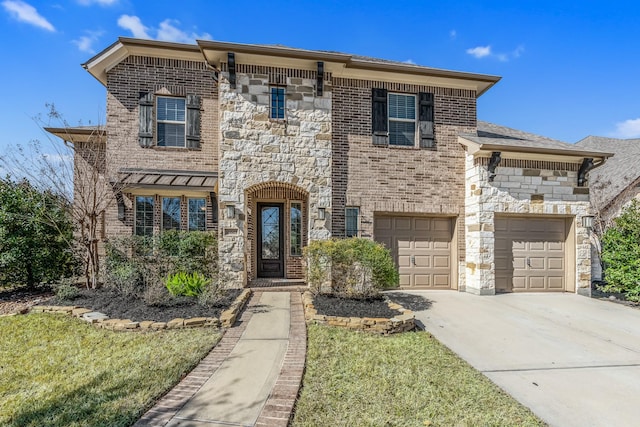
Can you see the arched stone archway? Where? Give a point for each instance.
(276, 230)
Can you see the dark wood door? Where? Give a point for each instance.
(270, 240)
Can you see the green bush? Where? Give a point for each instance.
(186, 284)
(621, 253)
(140, 266)
(65, 290)
(352, 268)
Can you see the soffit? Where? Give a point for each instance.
(93, 134)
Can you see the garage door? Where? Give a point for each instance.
(421, 248)
(530, 254)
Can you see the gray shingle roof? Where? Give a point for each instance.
(618, 172)
(497, 136)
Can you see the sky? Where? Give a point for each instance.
(568, 68)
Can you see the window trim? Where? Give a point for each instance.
(346, 230)
(135, 216)
(171, 122)
(280, 105)
(300, 204)
(189, 213)
(162, 220)
(402, 120)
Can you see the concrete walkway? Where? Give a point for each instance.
(573, 360)
(251, 378)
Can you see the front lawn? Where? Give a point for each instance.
(61, 371)
(357, 379)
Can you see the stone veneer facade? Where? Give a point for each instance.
(259, 152)
(524, 188)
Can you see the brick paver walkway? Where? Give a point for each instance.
(279, 405)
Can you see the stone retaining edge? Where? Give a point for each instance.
(379, 325)
(227, 317)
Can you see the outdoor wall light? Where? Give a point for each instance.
(231, 211)
(587, 222)
(322, 214)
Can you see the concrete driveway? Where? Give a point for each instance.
(573, 360)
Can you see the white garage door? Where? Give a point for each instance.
(421, 248)
(530, 254)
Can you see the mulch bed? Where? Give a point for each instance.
(117, 306)
(17, 300)
(344, 307)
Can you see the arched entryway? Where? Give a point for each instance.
(277, 224)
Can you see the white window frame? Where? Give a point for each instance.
(414, 120)
(171, 122)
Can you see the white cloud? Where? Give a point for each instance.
(453, 34)
(24, 12)
(409, 61)
(99, 2)
(133, 24)
(486, 52)
(480, 51)
(628, 129)
(168, 31)
(85, 43)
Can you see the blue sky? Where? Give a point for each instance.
(569, 68)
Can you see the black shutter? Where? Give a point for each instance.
(379, 123)
(145, 105)
(193, 121)
(425, 117)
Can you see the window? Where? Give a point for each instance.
(402, 119)
(171, 121)
(351, 221)
(296, 228)
(277, 103)
(171, 213)
(144, 216)
(197, 209)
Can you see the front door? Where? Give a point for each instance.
(270, 240)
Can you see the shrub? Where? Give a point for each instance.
(186, 284)
(621, 253)
(352, 268)
(65, 290)
(143, 266)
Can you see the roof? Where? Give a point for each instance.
(80, 133)
(340, 64)
(621, 171)
(492, 137)
(168, 179)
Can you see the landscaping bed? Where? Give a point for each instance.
(118, 306)
(353, 307)
(21, 299)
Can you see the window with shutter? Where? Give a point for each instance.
(145, 106)
(193, 121)
(170, 121)
(425, 117)
(402, 119)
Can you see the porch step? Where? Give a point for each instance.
(278, 284)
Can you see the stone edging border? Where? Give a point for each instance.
(227, 317)
(378, 325)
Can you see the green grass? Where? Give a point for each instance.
(60, 371)
(357, 379)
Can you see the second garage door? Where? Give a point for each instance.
(530, 254)
(421, 248)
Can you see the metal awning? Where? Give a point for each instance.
(167, 179)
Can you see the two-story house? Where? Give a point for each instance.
(274, 147)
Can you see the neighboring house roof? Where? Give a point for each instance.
(168, 179)
(340, 64)
(618, 174)
(80, 133)
(492, 137)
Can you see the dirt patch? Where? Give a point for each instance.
(20, 300)
(117, 306)
(345, 307)
(618, 298)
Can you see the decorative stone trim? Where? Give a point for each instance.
(378, 325)
(100, 320)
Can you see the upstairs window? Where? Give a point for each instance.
(402, 119)
(171, 121)
(352, 215)
(277, 103)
